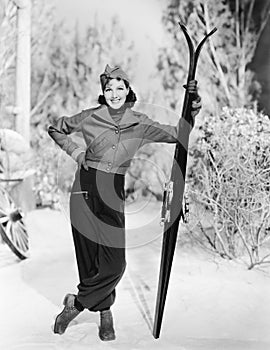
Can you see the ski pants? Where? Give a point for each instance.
(98, 229)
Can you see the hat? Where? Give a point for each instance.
(112, 73)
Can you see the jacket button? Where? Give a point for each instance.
(117, 131)
(108, 169)
(113, 147)
(109, 163)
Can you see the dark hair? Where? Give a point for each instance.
(130, 99)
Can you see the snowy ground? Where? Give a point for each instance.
(211, 304)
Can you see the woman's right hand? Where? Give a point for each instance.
(81, 161)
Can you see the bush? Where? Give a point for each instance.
(230, 181)
(54, 170)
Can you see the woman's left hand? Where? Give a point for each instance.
(196, 99)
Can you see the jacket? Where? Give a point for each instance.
(108, 146)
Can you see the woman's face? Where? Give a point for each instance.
(115, 93)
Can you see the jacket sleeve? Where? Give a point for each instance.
(62, 128)
(157, 132)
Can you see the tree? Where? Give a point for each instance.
(224, 74)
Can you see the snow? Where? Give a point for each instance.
(212, 304)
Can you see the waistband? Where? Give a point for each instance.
(97, 179)
(105, 167)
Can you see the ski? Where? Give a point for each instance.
(173, 194)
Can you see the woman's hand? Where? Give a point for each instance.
(196, 99)
(81, 160)
(196, 106)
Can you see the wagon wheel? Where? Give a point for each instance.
(12, 226)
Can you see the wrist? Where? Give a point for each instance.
(75, 154)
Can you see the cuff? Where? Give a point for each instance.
(76, 152)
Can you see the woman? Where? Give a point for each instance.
(113, 132)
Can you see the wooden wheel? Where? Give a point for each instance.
(12, 226)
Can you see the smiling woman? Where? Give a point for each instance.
(113, 132)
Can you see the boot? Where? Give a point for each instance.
(67, 315)
(106, 331)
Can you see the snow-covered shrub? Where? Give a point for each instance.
(52, 170)
(16, 171)
(230, 185)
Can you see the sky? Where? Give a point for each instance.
(141, 21)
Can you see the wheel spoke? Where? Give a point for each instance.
(8, 230)
(4, 201)
(20, 236)
(22, 226)
(21, 229)
(16, 235)
(24, 243)
(2, 211)
(3, 219)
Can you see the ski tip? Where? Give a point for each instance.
(213, 31)
(183, 27)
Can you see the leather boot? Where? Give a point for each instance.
(106, 330)
(67, 315)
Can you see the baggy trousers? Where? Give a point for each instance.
(98, 228)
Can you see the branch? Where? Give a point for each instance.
(42, 85)
(259, 230)
(215, 57)
(249, 18)
(237, 27)
(216, 230)
(263, 22)
(43, 99)
(212, 244)
(243, 239)
(266, 256)
(8, 63)
(235, 223)
(258, 263)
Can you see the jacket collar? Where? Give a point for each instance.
(128, 118)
